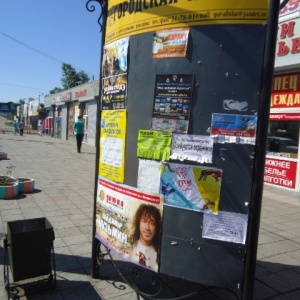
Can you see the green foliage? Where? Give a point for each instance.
(9, 169)
(13, 109)
(72, 78)
(7, 180)
(55, 90)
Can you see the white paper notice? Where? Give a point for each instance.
(112, 151)
(192, 147)
(148, 176)
(226, 226)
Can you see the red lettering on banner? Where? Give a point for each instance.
(287, 82)
(130, 192)
(280, 172)
(285, 100)
(287, 30)
(81, 93)
(295, 45)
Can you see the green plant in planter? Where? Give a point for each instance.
(9, 187)
(7, 179)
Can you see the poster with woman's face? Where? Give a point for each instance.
(128, 221)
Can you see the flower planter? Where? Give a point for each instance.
(9, 187)
(26, 185)
(3, 156)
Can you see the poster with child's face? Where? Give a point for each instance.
(128, 221)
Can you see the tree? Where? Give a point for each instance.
(72, 78)
(55, 90)
(13, 109)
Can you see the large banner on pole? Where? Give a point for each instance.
(126, 18)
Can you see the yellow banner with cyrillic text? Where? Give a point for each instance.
(131, 17)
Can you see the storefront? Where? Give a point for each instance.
(86, 95)
(63, 109)
(282, 160)
(48, 125)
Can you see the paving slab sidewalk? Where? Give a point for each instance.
(64, 194)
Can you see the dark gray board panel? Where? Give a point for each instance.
(227, 64)
(226, 61)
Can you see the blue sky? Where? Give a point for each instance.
(62, 29)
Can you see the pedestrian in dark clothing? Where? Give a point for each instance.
(79, 131)
(21, 127)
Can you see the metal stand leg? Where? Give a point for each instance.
(135, 274)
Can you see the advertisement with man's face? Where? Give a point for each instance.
(128, 221)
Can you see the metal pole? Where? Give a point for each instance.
(103, 16)
(260, 151)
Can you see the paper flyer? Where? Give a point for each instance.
(226, 128)
(148, 175)
(112, 144)
(192, 147)
(114, 74)
(172, 102)
(129, 221)
(170, 43)
(154, 144)
(226, 226)
(191, 187)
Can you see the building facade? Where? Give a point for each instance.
(282, 160)
(63, 108)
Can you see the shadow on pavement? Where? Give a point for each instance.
(65, 290)
(271, 279)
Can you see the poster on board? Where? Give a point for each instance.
(129, 221)
(192, 147)
(148, 175)
(170, 43)
(112, 144)
(226, 226)
(191, 187)
(172, 102)
(154, 144)
(228, 128)
(114, 74)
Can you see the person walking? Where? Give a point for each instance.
(79, 131)
(21, 127)
(15, 127)
(41, 128)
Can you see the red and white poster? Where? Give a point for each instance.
(280, 172)
(170, 43)
(129, 221)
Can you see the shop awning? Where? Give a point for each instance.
(84, 99)
(60, 103)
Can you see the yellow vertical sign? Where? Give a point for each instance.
(112, 145)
